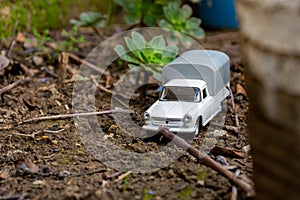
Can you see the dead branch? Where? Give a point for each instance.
(11, 86)
(234, 193)
(206, 160)
(65, 116)
(88, 64)
(234, 107)
(14, 197)
(89, 172)
(121, 177)
(100, 87)
(63, 60)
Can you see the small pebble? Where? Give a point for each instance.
(63, 174)
(151, 192)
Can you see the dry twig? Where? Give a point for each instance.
(121, 177)
(65, 116)
(234, 108)
(11, 86)
(234, 193)
(206, 160)
(88, 64)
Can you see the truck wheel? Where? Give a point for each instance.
(198, 126)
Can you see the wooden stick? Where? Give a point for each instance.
(234, 193)
(11, 86)
(121, 177)
(63, 60)
(100, 87)
(65, 116)
(234, 107)
(88, 64)
(206, 160)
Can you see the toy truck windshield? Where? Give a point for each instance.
(188, 94)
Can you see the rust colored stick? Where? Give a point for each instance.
(206, 160)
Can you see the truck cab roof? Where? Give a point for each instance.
(186, 83)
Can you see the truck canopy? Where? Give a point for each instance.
(208, 65)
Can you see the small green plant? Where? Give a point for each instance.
(201, 174)
(42, 37)
(179, 19)
(125, 182)
(143, 12)
(90, 19)
(72, 40)
(186, 193)
(147, 56)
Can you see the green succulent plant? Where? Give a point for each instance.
(179, 19)
(90, 19)
(147, 56)
(143, 12)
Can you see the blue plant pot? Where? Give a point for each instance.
(218, 13)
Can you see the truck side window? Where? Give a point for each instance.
(197, 95)
(204, 93)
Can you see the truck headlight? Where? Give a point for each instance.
(146, 116)
(187, 118)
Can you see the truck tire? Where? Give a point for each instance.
(198, 126)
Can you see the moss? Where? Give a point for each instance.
(186, 193)
(50, 14)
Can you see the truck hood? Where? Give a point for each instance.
(172, 109)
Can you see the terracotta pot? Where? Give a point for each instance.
(270, 32)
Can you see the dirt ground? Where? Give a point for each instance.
(47, 159)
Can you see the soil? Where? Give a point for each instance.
(48, 159)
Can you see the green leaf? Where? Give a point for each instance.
(100, 24)
(158, 42)
(165, 24)
(134, 67)
(124, 54)
(89, 17)
(138, 39)
(171, 51)
(132, 19)
(168, 13)
(76, 22)
(187, 11)
(193, 23)
(198, 33)
(130, 44)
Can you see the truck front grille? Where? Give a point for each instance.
(167, 122)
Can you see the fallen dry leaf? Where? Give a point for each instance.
(240, 90)
(4, 174)
(20, 37)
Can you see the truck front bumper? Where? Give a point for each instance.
(154, 129)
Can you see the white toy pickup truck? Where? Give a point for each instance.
(194, 86)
